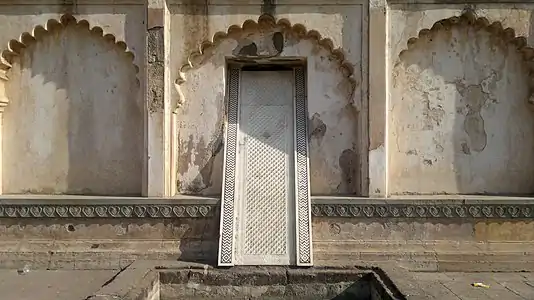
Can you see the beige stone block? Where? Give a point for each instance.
(493, 230)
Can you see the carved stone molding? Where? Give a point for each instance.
(468, 18)
(110, 207)
(16, 47)
(265, 21)
(524, 211)
(107, 211)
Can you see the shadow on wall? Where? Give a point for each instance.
(75, 121)
(184, 239)
(460, 116)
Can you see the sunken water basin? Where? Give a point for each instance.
(271, 283)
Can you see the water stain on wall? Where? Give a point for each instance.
(475, 99)
(317, 128)
(349, 162)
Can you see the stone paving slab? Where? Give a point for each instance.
(52, 285)
(457, 285)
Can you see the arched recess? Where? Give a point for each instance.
(459, 118)
(333, 102)
(74, 120)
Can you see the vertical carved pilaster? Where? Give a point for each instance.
(4, 101)
(376, 185)
(158, 126)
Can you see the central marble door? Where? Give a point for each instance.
(265, 207)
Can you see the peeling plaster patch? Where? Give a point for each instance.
(200, 150)
(185, 155)
(475, 99)
(264, 44)
(249, 50)
(317, 128)
(278, 41)
(205, 159)
(411, 152)
(433, 115)
(156, 69)
(465, 148)
(206, 171)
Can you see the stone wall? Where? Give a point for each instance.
(422, 234)
(393, 108)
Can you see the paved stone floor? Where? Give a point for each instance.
(455, 286)
(51, 285)
(78, 284)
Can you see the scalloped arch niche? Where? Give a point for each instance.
(459, 115)
(74, 121)
(332, 90)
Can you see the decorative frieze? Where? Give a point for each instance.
(107, 211)
(206, 208)
(390, 210)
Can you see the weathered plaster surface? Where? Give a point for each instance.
(337, 229)
(334, 146)
(74, 123)
(459, 121)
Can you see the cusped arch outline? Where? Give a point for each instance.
(264, 21)
(469, 18)
(16, 47)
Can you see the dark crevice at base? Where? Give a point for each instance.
(277, 283)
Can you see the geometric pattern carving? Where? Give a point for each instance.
(304, 244)
(266, 192)
(15, 47)
(468, 18)
(226, 239)
(266, 130)
(265, 21)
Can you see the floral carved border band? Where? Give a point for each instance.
(208, 210)
(525, 211)
(107, 211)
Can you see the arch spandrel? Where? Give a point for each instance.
(278, 30)
(496, 30)
(15, 47)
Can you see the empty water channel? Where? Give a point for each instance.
(269, 283)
